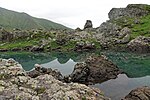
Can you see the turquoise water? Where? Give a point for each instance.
(136, 67)
(64, 62)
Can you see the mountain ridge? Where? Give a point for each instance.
(10, 19)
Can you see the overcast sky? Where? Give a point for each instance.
(71, 13)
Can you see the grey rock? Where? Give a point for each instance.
(107, 34)
(124, 36)
(20, 34)
(88, 24)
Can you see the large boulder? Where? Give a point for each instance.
(140, 44)
(15, 84)
(110, 34)
(88, 24)
(95, 69)
(142, 93)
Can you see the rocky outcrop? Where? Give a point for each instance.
(15, 84)
(142, 93)
(6, 36)
(110, 34)
(116, 32)
(140, 44)
(123, 36)
(88, 24)
(95, 69)
(20, 34)
(132, 10)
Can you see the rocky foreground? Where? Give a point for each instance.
(47, 84)
(15, 84)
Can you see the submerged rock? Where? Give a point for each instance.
(95, 69)
(142, 93)
(15, 84)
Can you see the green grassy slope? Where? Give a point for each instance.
(141, 28)
(11, 19)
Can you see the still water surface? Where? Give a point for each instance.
(136, 67)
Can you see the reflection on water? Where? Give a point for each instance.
(120, 87)
(61, 61)
(65, 68)
(28, 59)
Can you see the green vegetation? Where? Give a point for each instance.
(83, 98)
(143, 28)
(11, 19)
(139, 26)
(18, 44)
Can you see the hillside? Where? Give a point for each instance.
(11, 19)
(128, 29)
